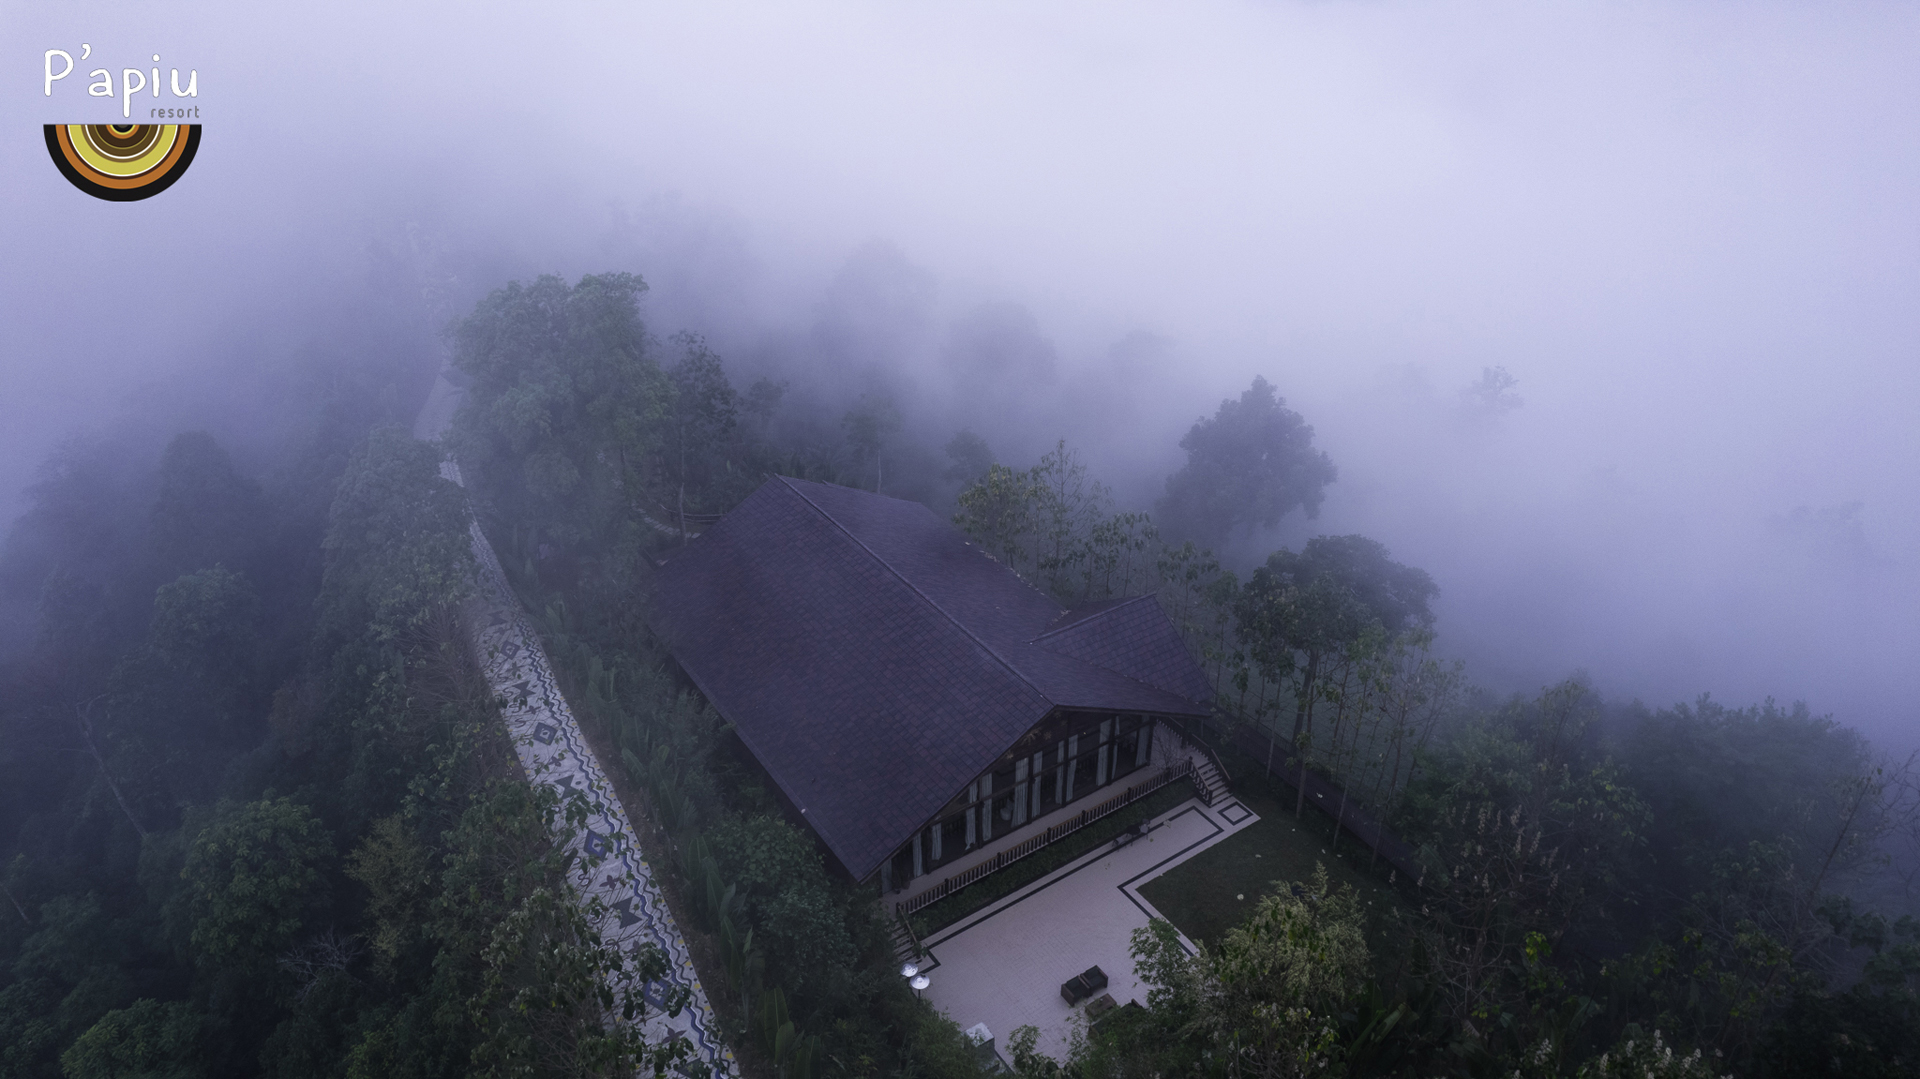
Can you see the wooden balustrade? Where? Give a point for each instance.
(1179, 770)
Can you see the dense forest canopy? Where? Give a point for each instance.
(257, 815)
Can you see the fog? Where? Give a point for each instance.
(1687, 230)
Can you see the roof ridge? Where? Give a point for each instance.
(924, 598)
(1102, 613)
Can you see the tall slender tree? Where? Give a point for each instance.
(701, 420)
(869, 425)
(1335, 598)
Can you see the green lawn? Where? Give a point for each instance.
(1214, 891)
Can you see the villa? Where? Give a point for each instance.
(918, 704)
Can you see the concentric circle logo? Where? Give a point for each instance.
(123, 162)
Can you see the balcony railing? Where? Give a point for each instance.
(1178, 770)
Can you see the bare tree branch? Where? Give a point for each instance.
(15, 902)
(85, 712)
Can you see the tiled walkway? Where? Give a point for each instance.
(1003, 965)
(553, 751)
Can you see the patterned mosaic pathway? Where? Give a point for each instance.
(553, 751)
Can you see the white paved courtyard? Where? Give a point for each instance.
(1003, 965)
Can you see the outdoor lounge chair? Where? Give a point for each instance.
(1083, 985)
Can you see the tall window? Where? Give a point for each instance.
(1080, 753)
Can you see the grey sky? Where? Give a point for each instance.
(1690, 230)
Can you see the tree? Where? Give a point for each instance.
(1766, 927)
(566, 415)
(1638, 1055)
(1863, 1033)
(1292, 627)
(1198, 594)
(1395, 596)
(789, 900)
(206, 622)
(78, 519)
(397, 543)
(1056, 526)
(1250, 465)
(1492, 396)
(876, 309)
(702, 418)
(558, 1000)
(970, 456)
(1337, 600)
(1267, 997)
(540, 990)
(77, 563)
(183, 703)
(1526, 832)
(148, 1039)
(206, 512)
(1716, 778)
(252, 877)
(868, 425)
(1068, 506)
(392, 864)
(760, 402)
(1414, 692)
(998, 510)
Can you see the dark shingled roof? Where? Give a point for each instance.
(1134, 637)
(875, 661)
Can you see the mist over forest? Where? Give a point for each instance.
(1681, 231)
(1602, 316)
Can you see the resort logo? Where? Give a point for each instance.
(124, 162)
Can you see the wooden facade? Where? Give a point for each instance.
(1065, 758)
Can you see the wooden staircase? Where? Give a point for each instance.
(1209, 780)
(905, 947)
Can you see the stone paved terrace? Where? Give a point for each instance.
(1003, 966)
